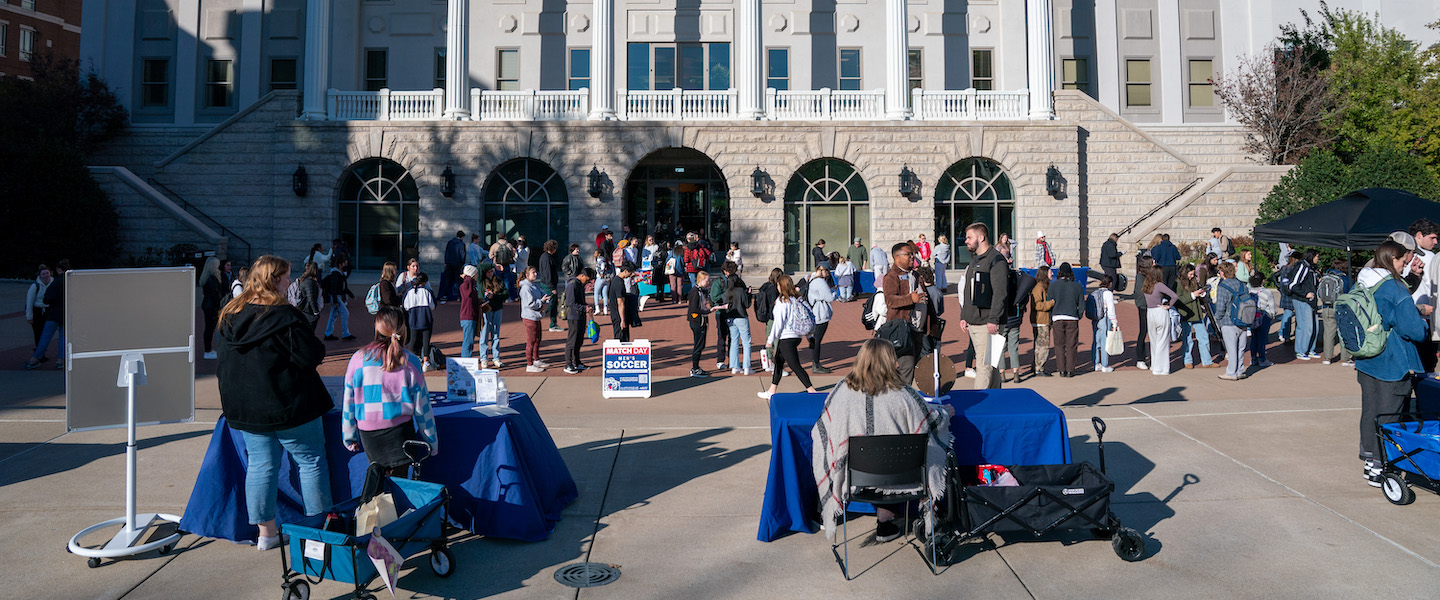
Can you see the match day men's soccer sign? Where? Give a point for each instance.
(626, 372)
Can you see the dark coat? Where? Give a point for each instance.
(266, 369)
(1110, 254)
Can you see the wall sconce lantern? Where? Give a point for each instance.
(1054, 182)
(447, 182)
(596, 180)
(757, 182)
(909, 182)
(300, 182)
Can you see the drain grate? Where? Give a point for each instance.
(587, 574)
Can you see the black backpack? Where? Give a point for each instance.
(867, 318)
(1121, 282)
(900, 334)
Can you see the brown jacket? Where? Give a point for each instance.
(1040, 305)
(896, 287)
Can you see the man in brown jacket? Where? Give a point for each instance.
(900, 301)
(1040, 305)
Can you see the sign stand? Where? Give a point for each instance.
(132, 373)
(626, 369)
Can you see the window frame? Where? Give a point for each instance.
(840, 77)
(29, 34)
(1148, 83)
(707, 57)
(913, 82)
(1081, 83)
(570, 62)
(270, 80)
(500, 79)
(441, 64)
(785, 50)
(975, 79)
(366, 80)
(212, 85)
(146, 85)
(1190, 85)
(4, 37)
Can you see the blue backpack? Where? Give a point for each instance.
(1243, 308)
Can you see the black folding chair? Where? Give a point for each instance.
(886, 469)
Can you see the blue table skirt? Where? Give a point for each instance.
(1004, 427)
(1082, 274)
(505, 475)
(1427, 395)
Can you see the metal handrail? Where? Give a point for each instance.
(1159, 207)
(194, 210)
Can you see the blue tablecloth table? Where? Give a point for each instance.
(1003, 427)
(1082, 274)
(505, 475)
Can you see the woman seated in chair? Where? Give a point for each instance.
(872, 400)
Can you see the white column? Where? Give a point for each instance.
(1040, 46)
(457, 60)
(602, 61)
(748, 67)
(317, 58)
(897, 60)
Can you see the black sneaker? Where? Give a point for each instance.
(348, 338)
(886, 531)
(571, 370)
(698, 373)
(331, 338)
(821, 370)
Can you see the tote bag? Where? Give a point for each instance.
(1114, 342)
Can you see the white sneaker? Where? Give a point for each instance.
(970, 373)
(747, 372)
(763, 395)
(1303, 357)
(719, 365)
(210, 355)
(734, 371)
(542, 364)
(1141, 365)
(498, 364)
(484, 364)
(534, 369)
(268, 543)
(424, 364)
(1107, 369)
(1324, 362)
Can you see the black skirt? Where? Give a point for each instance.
(387, 446)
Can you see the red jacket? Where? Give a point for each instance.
(692, 253)
(469, 300)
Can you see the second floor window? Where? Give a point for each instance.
(377, 69)
(1137, 82)
(850, 78)
(915, 68)
(1075, 74)
(219, 84)
(982, 65)
(1202, 91)
(4, 37)
(579, 68)
(507, 71)
(690, 66)
(27, 4)
(283, 74)
(27, 44)
(155, 83)
(777, 68)
(439, 68)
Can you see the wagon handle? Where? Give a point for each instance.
(1099, 425)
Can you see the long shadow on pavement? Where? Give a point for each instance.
(62, 457)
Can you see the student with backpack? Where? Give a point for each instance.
(420, 317)
(337, 293)
(718, 288)
(1332, 284)
(307, 292)
(1265, 311)
(1158, 297)
(1387, 363)
(1232, 301)
(765, 298)
(1101, 306)
(1301, 287)
(819, 296)
(793, 322)
(698, 316)
(737, 318)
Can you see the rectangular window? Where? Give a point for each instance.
(637, 67)
(915, 67)
(717, 67)
(377, 69)
(689, 66)
(1202, 90)
(1137, 82)
(777, 68)
(27, 44)
(27, 4)
(155, 83)
(4, 37)
(663, 76)
(579, 68)
(850, 69)
(439, 68)
(284, 74)
(1075, 74)
(507, 69)
(219, 84)
(982, 69)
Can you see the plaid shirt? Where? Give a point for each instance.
(376, 399)
(1040, 248)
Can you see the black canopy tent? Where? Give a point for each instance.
(1359, 220)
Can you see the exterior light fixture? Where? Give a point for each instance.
(909, 182)
(596, 179)
(300, 182)
(1054, 182)
(447, 182)
(757, 182)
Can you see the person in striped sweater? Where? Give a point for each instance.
(386, 400)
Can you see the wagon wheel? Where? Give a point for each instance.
(1397, 491)
(93, 562)
(298, 589)
(1128, 544)
(442, 562)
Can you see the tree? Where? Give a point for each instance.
(1283, 101)
(51, 207)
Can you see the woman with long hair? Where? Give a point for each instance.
(764, 311)
(820, 297)
(492, 302)
(1388, 378)
(872, 400)
(420, 317)
(402, 283)
(604, 268)
(54, 299)
(212, 297)
(1109, 321)
(389, 293)
(675, 270)
(386, 399)
(1193, 331)
(793, 321)
(260, 333)
(311, 300)
(1158, 297)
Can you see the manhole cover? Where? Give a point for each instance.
(587, 574)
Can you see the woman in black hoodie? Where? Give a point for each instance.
(271, 392)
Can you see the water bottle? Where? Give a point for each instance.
(502, 395)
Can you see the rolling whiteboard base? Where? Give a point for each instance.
(126, 541)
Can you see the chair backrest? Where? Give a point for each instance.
(887, 460)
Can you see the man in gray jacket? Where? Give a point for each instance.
(984, 294)
(879, 264)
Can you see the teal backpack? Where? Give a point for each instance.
(372, 299)
(1361, 329)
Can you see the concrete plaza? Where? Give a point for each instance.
(1247, 489)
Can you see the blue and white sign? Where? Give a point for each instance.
(626, 372)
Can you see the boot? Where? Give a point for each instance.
(819, 369)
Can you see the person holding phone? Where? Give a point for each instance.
(534, 302)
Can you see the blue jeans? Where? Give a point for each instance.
(1304, 329)
(1097, 349)
(467, 337)
(692, 280)
(338, 310)
(1259, 338)
(1287, 324)
(847, 292)
(1196, 334)
(51, 327)
(490, 334)
(306, 444)
(602, 285)
(739, 330)
(510, 284)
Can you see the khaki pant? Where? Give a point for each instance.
(1042, 347)
(986, 376)
(1331, 333)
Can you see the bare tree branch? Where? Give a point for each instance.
(1285, 102)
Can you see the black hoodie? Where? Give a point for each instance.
(266, 369)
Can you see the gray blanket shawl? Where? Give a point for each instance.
(851, 413)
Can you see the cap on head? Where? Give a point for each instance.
(471, 271)
(857, 240)
(1039, 234)
(1404, 239)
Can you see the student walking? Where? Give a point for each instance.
(577, 312)
(793, 321)
(386, 402)
(35, 306)
(765, 299)
(1303, 282)
(820, 297)
(54, 299)
(533, 304)
(420, 312)
(1159, 297)
(1388, 379)
(336, 287)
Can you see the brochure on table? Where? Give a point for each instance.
(465, 381)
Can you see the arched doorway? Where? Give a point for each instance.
(379, 213)
(526, 196)
(678, 190)
(826, 199)
(973, 190)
